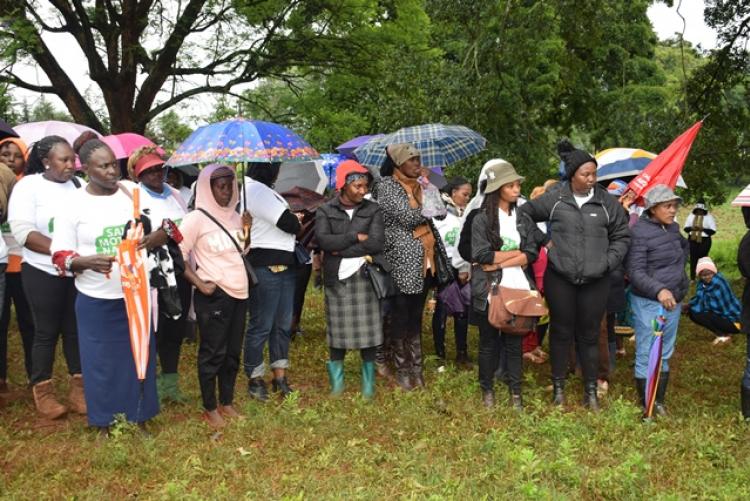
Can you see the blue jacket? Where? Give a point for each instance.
(657, 258)
(716, 297)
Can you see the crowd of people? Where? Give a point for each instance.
(228, 255)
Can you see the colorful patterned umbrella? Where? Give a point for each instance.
(240, 140)
(34, 131)
(619, 163)
(136, 289)
(654, 363)
(439, 145)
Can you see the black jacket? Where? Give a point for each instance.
(587, 242)
(657, 259)
(484, 253)
(337, 235)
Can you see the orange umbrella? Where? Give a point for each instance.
(136, 289)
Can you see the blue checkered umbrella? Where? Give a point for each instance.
(439, 145)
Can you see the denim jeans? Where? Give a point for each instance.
(644, 312)
(271, 308)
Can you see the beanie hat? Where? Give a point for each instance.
(572, 157)
(346, 168)
(705, 263)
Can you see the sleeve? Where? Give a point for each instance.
(190, 230)
(397, 207)
(288, 222)
(22, 211)
(638, 269)
(709, 225)
(327, 240)
(532, 237)
(689, 223)
(375, 239)
(263, 204)
(481, 248)
(538, 209)
(619, 235)
(65, 237)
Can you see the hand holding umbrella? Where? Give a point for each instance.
(654, 363)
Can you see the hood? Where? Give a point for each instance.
(205, 200)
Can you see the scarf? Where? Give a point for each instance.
(423, 232)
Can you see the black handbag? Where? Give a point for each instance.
(381, 280)
(300, 254)
(252, 278)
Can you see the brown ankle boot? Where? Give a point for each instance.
(46, 401)
(76, 397)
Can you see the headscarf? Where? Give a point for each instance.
(204, 198)
(18, 142)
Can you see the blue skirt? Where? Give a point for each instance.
(109, 378)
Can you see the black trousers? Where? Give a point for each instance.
(221, 322)
(367, 354)
(460, 329)
(697, 251)
(406, 311)
(496, 348)
(576, 312)
(171, 332)
(14, 294)
(302, 278)
(52, 300)
(717, 324)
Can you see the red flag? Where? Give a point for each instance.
(667, 166)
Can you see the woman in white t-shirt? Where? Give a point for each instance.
(165, 208)
(85, 241)
(272, 241)
(36, 202)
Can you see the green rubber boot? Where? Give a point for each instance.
(336, 376)
(368, 380)
(170, 389)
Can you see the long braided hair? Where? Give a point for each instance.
(491, 207)
(39, 151)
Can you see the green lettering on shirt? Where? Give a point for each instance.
(110, 240)
(451, 236)
(51, 225)
(509, 244)
(5, 228)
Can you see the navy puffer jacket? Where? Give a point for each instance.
(657, 258)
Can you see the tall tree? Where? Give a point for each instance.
(146, 56)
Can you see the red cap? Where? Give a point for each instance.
(146, 162)
(345, 168)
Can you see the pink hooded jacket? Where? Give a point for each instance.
(216, 256)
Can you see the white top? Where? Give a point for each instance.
(94, 225)
(167, 207)
(449, 229)
(513, 277)
(266, 207)
(350, 265)
(14, 249)
(37, 202)
(709, 223)
(582, 200)
(186, 194)
(3, 252)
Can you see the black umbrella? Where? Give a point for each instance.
(6, 130)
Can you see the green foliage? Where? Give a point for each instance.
(170, 131)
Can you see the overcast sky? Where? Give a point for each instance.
(665, 20)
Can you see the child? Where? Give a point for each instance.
(714, 305)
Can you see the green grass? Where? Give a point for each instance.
(434, 444)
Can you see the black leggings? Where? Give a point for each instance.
(171, 332)
(14, 294)
(492, 346)
(460, 329)
(52, 300)
(406, 312)
(717, 324)
(576, 312)
(367, 354)
(697, 251)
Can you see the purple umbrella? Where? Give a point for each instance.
(348, 147)
(654, 363)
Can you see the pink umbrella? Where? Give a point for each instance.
(123, 145)
(34, 131)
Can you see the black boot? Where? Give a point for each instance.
(590, 399)
(745, 399)
(401, 361)
(558, 392)
(640, 388)
(661, 390)
(415, 354)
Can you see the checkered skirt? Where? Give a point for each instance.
(353, 314)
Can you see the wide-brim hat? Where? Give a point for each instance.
(500, 174)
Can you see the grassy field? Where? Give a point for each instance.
(438, 443)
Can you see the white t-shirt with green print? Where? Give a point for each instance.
(39, 201)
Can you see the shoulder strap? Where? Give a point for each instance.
(217, 223)
(76, 181)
